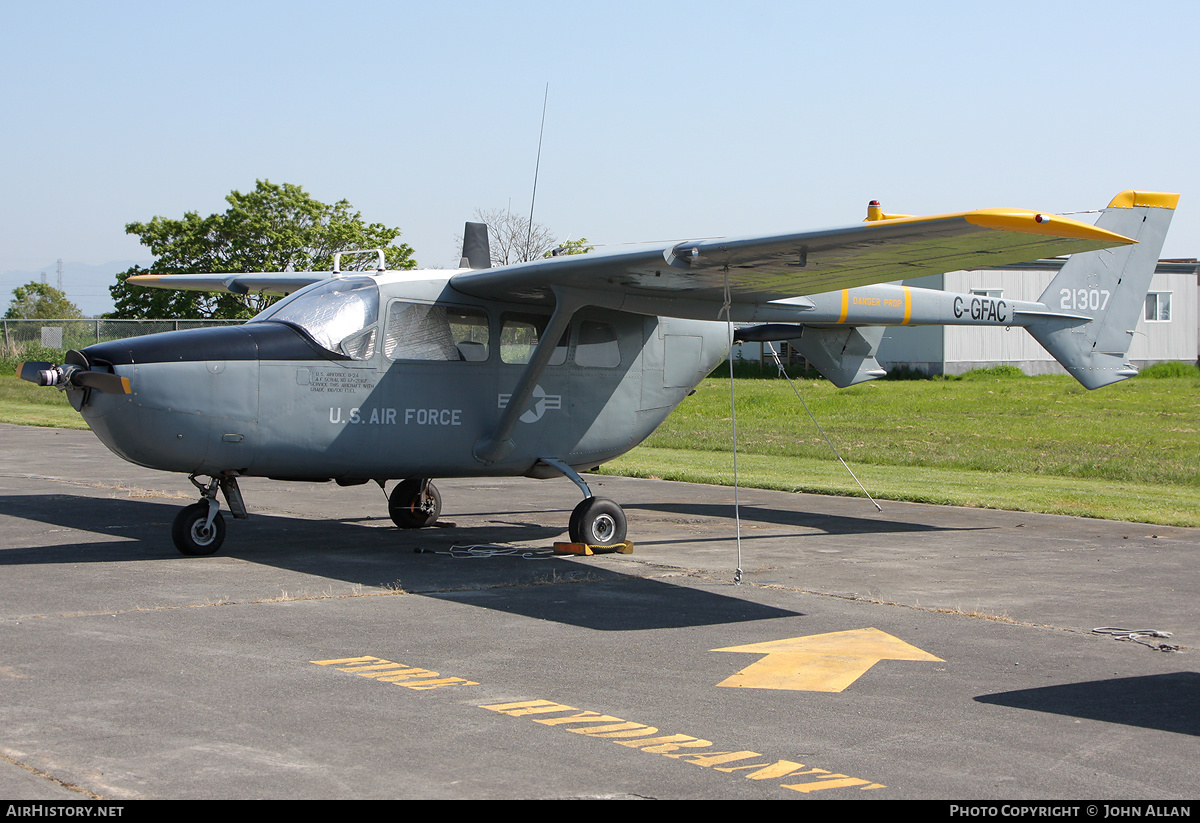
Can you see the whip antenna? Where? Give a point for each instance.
(536, 167)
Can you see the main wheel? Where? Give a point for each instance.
(597, 522)
(410, 508)
(192, 537)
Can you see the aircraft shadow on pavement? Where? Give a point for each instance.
(534, 583)
(608, 601)
(1167, 702)
(824, 523)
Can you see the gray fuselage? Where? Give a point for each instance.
(406, 386)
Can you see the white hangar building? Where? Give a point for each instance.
(1166, 330)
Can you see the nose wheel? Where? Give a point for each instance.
(415, 503)
(194, 534)
(199, 529)
(597, 522)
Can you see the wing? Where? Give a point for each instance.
(688, 279)
(243, 283)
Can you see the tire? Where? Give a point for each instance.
(189, 534)
(410, 509)
(597, 522)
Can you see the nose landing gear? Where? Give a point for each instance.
(195, 533)
(199, 529)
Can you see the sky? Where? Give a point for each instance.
(664, 120)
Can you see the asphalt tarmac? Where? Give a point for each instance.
(921, 652)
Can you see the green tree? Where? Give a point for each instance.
(579, 246)
(39, 301)
(273, 228)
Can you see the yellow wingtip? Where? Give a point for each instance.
(1053, 225)
(1152, 199)
(1026, 222)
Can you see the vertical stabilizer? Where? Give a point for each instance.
(477, 251)
(1101, 293)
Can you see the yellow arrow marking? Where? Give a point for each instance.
(820, 662)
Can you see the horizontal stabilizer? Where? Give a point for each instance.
(845, 356)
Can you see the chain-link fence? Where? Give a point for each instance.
(76, 334)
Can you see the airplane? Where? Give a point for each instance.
(552, 367)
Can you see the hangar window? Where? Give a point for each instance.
(338, 314)
(1158, 307)
(994, 293)
(519, 336)
(423, 331)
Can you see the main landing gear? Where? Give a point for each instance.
(415, 503)
(597, 522)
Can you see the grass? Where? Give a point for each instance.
(28, 405)
(1140, 502)
(1127, 452)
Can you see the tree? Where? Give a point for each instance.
(514, 240)
(273, 228)
(579, 246)
(39, 301)
(511, 238)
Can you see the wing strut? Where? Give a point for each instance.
(567, 301)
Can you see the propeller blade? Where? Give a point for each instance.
(35, 372)
(76, 374)
(101, 381)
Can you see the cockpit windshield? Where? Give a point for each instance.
(339, 314)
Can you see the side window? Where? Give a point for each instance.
(469, 331)
(420, 331)
(519, 336)
(597, 345)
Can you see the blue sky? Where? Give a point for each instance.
(666, 120)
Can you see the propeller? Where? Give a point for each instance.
(76, 375)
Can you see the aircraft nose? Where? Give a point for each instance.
(193, 405)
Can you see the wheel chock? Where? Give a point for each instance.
(585, 550)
